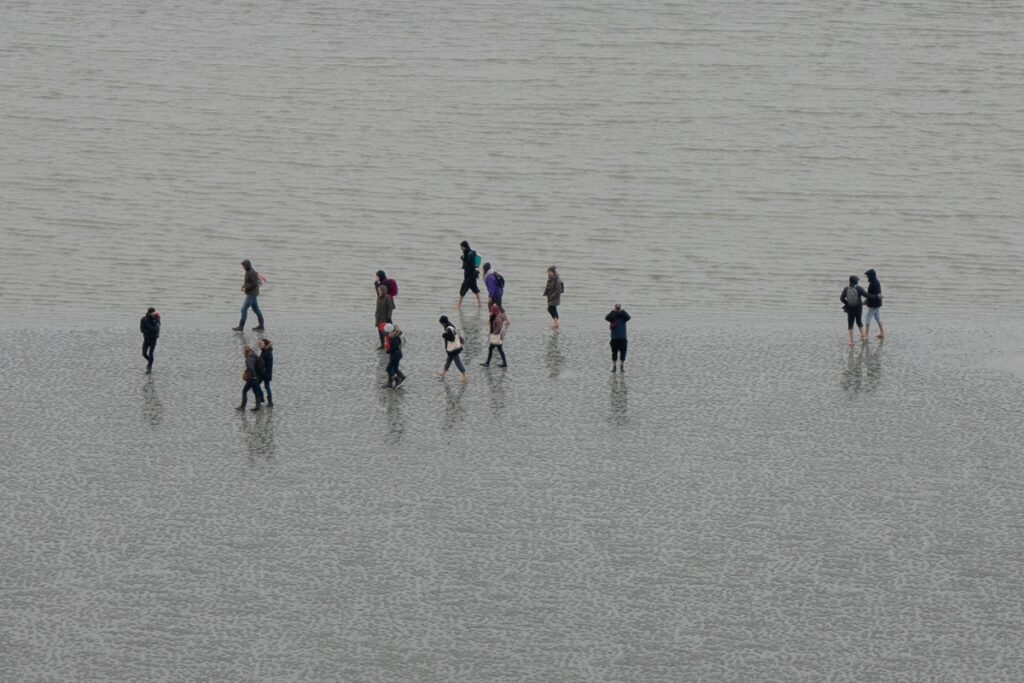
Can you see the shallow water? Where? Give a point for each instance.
(742, 505)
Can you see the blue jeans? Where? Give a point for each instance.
(251, 302)
(393, 362)
(253, 384)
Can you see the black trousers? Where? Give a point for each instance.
(619, 349)
(853, 315)
(149, 349)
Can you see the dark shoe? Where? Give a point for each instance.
(503, 365)
(398, 382)
(613, 367)
(149, 370)
(255, 408)
(270, 404)
(241, 407)
(258, 328)
(238, 329)
(486, 365)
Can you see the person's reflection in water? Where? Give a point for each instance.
(496, 385)
(553, 358)
(152, 408)
(619, 400)
(394, 421)
(258, 431)
(872, 366)
(453, 409)
(853, 373)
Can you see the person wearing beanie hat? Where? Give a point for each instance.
(385, 305)
(553, 291)
(853, 296)
(150, 328)
(469, 275)
(251, 287)
(393, 342)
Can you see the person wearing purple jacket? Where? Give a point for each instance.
(495, 287)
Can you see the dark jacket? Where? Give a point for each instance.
(469, 269)
(393, 344)
(617, 323)
(874, 297)
(150, 326)
(268, 363)
(251, 284)
(863, 295)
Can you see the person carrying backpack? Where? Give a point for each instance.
(470, 273)
(251, 287)
(495, 284)
(393, 343)
(874, 304)
(452, 347)
(385, 303)
(553, 291)
(853, 296)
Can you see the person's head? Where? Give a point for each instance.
(150, 311)
(247, 350)
(266, 344)
(617, 307)
(465, 245)
(854, 280)
(870, 272)
(247, 264)
(487, 267)
(445, 322)
(381, 276)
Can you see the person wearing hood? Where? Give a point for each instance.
(393, 342)
(617, 320)
(499, 324)
(150, 328)
(251, 287)
(553, 291)
(874, 304)
(251, 376)
(267, 356)
(853, 296)
(385, 305)
(452, 347)
(495, 284)
(470, 273)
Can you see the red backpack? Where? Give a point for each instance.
(392, 286)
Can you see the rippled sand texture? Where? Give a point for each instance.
(703, 151)
(741, 506)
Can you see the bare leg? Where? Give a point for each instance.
(851, 337)
(478, 303)
(881, 330)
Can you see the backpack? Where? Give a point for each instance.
(852, 297)
(392, 286)
(500, 280)
(260, 367)
(476, 259)
(561, 286)
(456, 344)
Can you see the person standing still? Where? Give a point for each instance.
(553, 291)
(853, 297)
(251, 287)
(385, 305)
(267, 356)
(495, 284)
(251, 376)
(469, 275)
(499, 325)
(874, 304)
(150, 328)
(617, 320)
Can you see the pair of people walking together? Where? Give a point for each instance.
(258, 373)
(855, 299)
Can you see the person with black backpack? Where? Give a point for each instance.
(853, 297)
(495, 284)
(452, 347)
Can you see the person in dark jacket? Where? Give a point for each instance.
(617, 320)
(267, 356)
(874, 304)
(252, 379)
(470, 273)
(853, 296)
(150, 328)
(393, 342)
(499, 323)
(251, 287)
(385, 305)
(452, 347)
(553, 291)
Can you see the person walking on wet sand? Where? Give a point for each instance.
(393, 342)
(470, 273)
(252, 377)
(499, 324)
(853, 303)
(874, 304)
(617, 320)
(150, 328)
(385, 304)
(553, 291)
(267, 359)
(452, 347)
(495, 284)
(251, 287)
